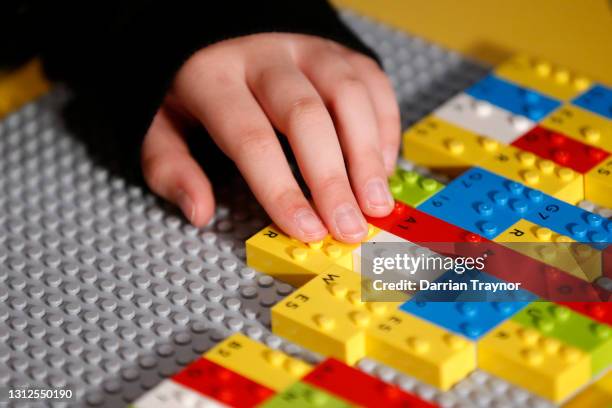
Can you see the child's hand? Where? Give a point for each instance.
(335, 106)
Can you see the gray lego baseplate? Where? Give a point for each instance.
(106, 291)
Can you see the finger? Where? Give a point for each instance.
(296, 109)
(171, 171)
(348, 99)
(234, 119)
(385, 105)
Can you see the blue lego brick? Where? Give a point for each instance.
(575, 222)
(472, 313)
(482, 202)
(598, 99)
(514, 98)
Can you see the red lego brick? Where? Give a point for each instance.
(360, 388)
(607, 262)
(221, 384)
(563, 287)
(423, 229)
(600, 311)
(561, 149)
(534, 275)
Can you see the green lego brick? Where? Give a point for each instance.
(411, 188)
(571, 328)
(301, 395)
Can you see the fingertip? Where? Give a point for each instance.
(377, 200)
(197, 208)
(349, 225)
(309, 226)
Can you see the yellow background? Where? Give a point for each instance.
(576, 34)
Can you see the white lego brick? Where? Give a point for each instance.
(381, 236)
(484, 118)
(169, 394)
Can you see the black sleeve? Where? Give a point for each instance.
(120, 56)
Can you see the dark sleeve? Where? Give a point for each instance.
(120, 57)
(127, 52)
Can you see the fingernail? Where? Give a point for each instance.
(309, 223)
(187, 206)
(390, 159)
(349, 222)
(378, 195)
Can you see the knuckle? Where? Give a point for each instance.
(155, 169)
(289, 199)
(391, 118)
(349, 85)
(254, 142)
(304, 110)
(333, 183)
(364, 61)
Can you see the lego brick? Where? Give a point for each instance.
(507, 263)
(605, 212)
(171, 394)
(435, 144)
(536, 173)
(424, 230)
(381, 237)
(327, 315)
(411, 188)
(540, 364)
(482, 202)
(581, 125)
(360, 388)
(21, 86)
(598, 394)
(599, 311)
(514, 98)
(421, 349)
(597, 99)
(479, 388)
(257, 362)
(470, 315)
(572, 221)
(440, 146)
(571, 328)
(292, 261)
(598, 184)
(543, 76)
(579, 260)
(483, 118)
(221, 384)
(561, 149)
(302, 395)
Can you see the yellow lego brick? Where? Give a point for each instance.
(556, 81)
(598, 394)
(21, 86)
(294, 262)
(560, 251)
(255, 361)
(540, 364)
(598, 184)
(327, 316)
(421, 349)
(441, 146)
(584, 126)
(535, 172)
(446, 148)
